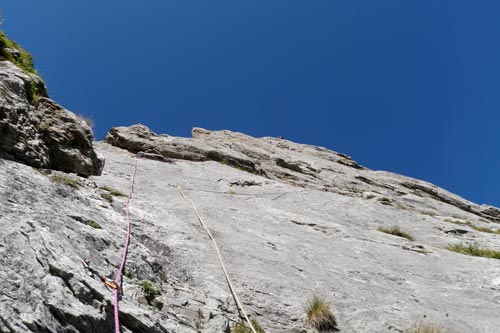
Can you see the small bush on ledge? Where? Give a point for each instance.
(11, 51)
(65, 180)
(92, 224)
(112, 191)
(396, 232)
(149, 289)
(319, 315)
(108, 197)
(474, 250)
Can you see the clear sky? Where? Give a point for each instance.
(405, 86)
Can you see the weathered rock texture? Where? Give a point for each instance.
(37, 131)
(292, 221)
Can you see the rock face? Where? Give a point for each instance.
(37, 131)
(292, 221)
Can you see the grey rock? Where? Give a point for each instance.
(302, 222)
(37, 131)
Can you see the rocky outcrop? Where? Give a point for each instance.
(37, 131)
(304, 221)
(139, 138)
(282, 160)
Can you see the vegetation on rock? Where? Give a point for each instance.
(384, 200)
(112, 191)
(474, 250)
(149, 289)
(396, 232)
(241, 327)
(11, 51)
(473, 226)
(108, 197)
(319, 315)
(65, 180)
(92, 224)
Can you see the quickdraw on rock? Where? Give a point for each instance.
(110, 283)
(90, 270)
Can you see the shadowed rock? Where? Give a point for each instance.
(37, 131)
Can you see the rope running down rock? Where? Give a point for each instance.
(233, 291)
(125, 250)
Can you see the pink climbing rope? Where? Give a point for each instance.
(125, 250)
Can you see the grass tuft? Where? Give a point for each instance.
(92, 224)
(396, 232)
(385, 201)
(149, 289)
(485, 229)
(65, 180)
(241, 327)
(473, 250)
(108, 197)
(473, 226)
(112, 191)
(163, 277)
(319, 315)
(20, 57)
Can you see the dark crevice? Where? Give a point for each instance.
(245, 183)
(288, 165)
(238, 163)
(136, 326)
(35, 327)
(64, 276)
(303, 223)
(7, 325)
(95, 295)
(83, 323)
(433, 193)
(350, 163)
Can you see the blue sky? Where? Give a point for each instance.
(405, 86)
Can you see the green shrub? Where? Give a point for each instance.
(241, 327)
(92, 224)
(485, 229)
(163, 277)
(33, 93)
(474, 250)
(475, 227)
(319, 315)
(385, 201)
(396, 232)
(108, 197)
(149, 289)
(22, 59)
(112, 191)
(65, 180)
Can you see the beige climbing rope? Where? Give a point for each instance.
(233, 291)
